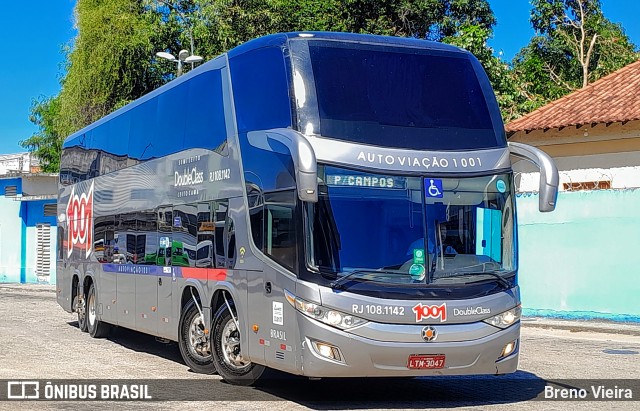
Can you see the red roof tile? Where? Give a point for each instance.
(613, 98)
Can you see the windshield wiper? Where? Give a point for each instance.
(501, 280)
(339, 284)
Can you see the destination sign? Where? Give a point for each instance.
(364, 180)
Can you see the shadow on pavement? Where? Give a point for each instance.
(416, 393)
(141, 342)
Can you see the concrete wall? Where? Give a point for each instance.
(588, 153)
(583, 259)
(39, 184)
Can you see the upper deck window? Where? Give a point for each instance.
(400, 97)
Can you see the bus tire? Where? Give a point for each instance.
(194, 343)
(80, 305)
(226, 351)
(96, 328)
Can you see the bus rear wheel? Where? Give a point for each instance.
(96, 328)
(230, 363)
(79, 304)
(194, 343)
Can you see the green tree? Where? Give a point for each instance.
(218, 25)
(109, 63)
(575, 44)
(45, 144)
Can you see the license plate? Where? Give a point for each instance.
(425, 362)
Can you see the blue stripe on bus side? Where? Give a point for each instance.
(142, 270)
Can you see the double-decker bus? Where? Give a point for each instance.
(357, 196)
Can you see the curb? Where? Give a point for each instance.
(590, 326)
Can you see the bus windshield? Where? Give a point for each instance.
(411, 230)
(406, 98)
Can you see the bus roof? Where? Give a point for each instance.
(283, 38)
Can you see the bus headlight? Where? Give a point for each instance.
(505, 319)
(328, 316)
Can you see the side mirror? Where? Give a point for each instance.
(302, 154)
(549, 179)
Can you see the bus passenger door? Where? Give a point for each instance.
(165, 279)
(267, 303)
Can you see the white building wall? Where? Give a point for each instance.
(16, 163)
(621, 169)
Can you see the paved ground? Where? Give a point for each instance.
(41, 341)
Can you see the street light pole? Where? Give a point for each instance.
(183, 57)
(188, 24)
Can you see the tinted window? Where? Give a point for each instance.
(256, 214)
(147, 238)
(165, 220)
(220, 219)
(260, 90)
(206, 235)
(280, 228)
(125, 240)
(408, 99)
(206, 126)
(185, 234)
(188, 115)
(103, 235)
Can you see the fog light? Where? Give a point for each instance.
(509, 349)
(327, 350)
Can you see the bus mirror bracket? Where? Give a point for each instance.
(549, 179)
(302, 154)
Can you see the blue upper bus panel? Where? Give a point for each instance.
(385, 91)
(377, 90)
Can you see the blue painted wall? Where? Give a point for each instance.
(18, 236)
(583, 259)
(35, 216)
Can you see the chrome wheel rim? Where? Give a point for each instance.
(199, 345)
(230, 341)
(92, 308)
(79, 306)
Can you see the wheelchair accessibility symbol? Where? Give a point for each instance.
(433, 188)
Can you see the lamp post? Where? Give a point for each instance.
(183, 57)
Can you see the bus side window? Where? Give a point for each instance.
(255, 198)
(206, 235)
(185, 235)
(280, 228)
(230, 243)
(220, 219)
(61, 243)
(103, 234)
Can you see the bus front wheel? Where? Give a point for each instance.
(230, 363)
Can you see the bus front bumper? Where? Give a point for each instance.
(356, 356)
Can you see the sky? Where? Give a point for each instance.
(36, 32)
